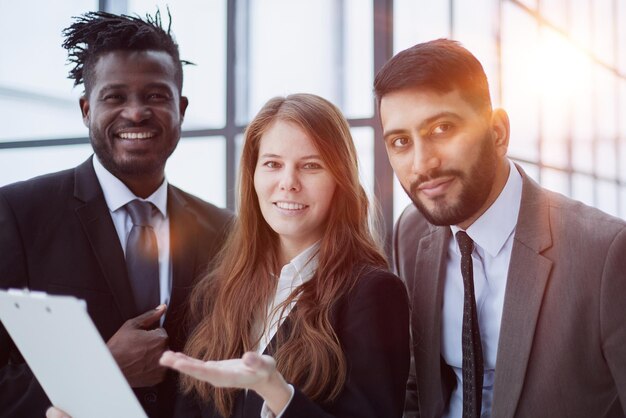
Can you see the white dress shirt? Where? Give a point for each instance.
(117, 195)
(492, 234)
(298, 271)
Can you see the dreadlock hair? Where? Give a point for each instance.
(96, 33)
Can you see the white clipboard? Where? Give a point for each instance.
(67, 355)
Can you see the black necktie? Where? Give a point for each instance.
(472, 348)
(142, 260)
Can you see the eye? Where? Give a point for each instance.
(312, 166)
(442, 128)
(271, 164)
(113, 97)
(158, 97)
(400, 142)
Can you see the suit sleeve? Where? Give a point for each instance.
(373, 328)
(613, 313)
(20, 393)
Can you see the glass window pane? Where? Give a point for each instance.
(606, 123)
(603, 39)
(582, 188)
(621, 36)
(292, 47)
(364, 143)
(520, 96)
(622, 130)
(555, 180)
(24, 163)
(580, 22)
(198, 166)
(607, 197)
(530, 3)
(473, 27)
(562, 70)
(582, 120)
(416, 21)
(200, 31)
(26, 118)
(555, 12)
(36, 98)
(358, 72)
(623, 202)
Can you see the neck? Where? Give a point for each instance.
(143, 186)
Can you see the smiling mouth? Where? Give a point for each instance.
(136, 135)
(290, 206)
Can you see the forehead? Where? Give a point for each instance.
(286, 139)
(416, 105)
(128, 68)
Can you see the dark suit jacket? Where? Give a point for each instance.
(57, 236)
(562, 347)
(372, 324)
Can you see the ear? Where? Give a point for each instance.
(84, 108)
(184, 102)
(501, 130)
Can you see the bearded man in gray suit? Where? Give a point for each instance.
(534, 325)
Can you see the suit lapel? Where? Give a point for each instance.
(183, 240)
(430, 273)
(95, 218)
(527, 278)
(183, 253)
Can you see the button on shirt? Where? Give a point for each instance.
(298, 271)
(493, 235)
(117, 195)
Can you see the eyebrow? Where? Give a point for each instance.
(119, 86)
(306, 157)
(425, 122)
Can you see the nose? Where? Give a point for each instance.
(136, 111)
(289, 180)
(425, 158)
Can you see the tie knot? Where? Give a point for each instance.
(466, 245)
(140, 212)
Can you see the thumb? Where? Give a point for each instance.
(261, 363)
(148, 318)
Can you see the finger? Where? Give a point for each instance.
(148, 318)
(53, 412)
(169, 357)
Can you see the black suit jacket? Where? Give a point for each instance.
(372, 324)
(57, 236)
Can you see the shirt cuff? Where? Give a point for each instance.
(266, 412)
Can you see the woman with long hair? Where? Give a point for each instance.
(299, 316)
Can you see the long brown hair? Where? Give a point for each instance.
(234, 295)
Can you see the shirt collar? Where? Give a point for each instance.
(116, 194)
(301, 268)
(491, 231)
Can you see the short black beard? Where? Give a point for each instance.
(475, 189)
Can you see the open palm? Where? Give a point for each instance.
(247, 372)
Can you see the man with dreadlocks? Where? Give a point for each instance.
(78, 232)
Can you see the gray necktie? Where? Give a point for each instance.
(142, 260)
(472, 347)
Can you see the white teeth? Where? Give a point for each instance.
(136, 135)
(290, 206)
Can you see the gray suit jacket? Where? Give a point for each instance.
(562, 347)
